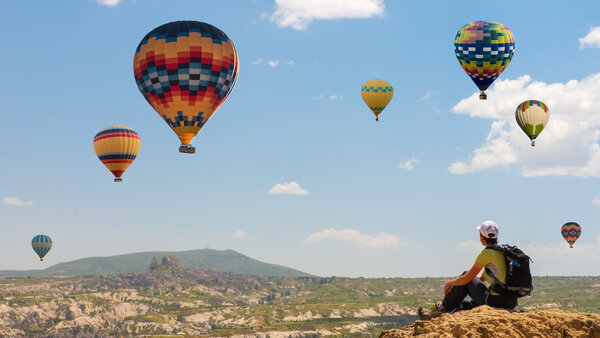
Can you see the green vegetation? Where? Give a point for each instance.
(218, 260)
(176, 300)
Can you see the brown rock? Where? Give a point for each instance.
(485, 321)
(153, 264)
(169, 261)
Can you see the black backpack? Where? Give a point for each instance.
(518, 277)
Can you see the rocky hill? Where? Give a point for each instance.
(170, 300)
(485, 321)
(217, 260)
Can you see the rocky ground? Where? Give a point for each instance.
(170, 300)
(486, 322)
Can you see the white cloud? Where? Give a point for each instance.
(291, 63)
(108, 3)
(15, 201)
(239, 234)
(336, 97)
(568, 146)
(560, 259)
(596, 201)
(408, 165)
(592, 39)
(380, 240)
(318, 97)
(291, 188)
(429, 94)
(496, 151)
(299, 13)
(470, 246)
(257, 61)
(273, 63)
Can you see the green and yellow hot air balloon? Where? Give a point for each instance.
(377, 93)
(532, 116)
(41, 244)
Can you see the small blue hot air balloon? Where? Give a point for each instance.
(41, 244)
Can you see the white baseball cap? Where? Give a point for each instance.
(489, 229)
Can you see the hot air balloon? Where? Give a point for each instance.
(571, 232)
(532, 116)
(377, 93)
(41, 244)
(117, 147)
(185, 70)
(484, 49)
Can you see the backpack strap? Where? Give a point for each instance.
(495, 282)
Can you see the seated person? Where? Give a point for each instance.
(470, 284)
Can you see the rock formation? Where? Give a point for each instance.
(153, 264)
(169, 261)
(485, 321)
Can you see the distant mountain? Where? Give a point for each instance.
(218, 260)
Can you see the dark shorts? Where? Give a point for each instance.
(455, 299)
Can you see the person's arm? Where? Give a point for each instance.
(464, 279)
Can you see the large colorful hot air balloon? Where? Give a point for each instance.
(185, 70)
(532, 116)
(571, 232)
(117, 147)
(41, 244)
(377, 93)
(484, 49)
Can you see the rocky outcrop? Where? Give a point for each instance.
(153, 264)
(169, 261)
(485, 321)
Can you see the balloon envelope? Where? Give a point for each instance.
(117, 147)
(377, 93)
(571, 232)
(532, 116)
(484, 49)
(41, 244)
(185, 70)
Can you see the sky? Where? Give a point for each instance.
(293, 169)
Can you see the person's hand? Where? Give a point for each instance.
(447, 288)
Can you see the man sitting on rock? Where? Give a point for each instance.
(470, 284)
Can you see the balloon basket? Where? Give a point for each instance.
(187, 149)
(483, 96)
(377, 119)
(533, 143)
(118, 179)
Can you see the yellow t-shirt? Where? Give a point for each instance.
(494, 261)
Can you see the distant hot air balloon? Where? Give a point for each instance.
(41, 244)
(571, 232)
(377, 94)
(532, 116)
(484, 49)
(185, 70)
(117, 147)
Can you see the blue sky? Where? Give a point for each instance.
(293, 169)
